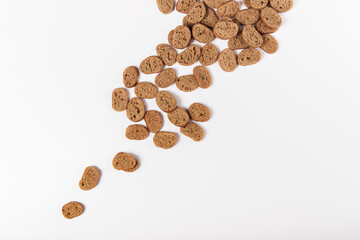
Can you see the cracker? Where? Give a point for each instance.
(130, 76)
(189, 56)
(135, 110)
(197, 13)
(152, 64)
(209, 54)
(166, 101)
(165, 140)
(72, 210)
(186, 83)
(258, 4)
(179, 117)
(262, 28)
(199, 112)
(167, 54)
(227, 60)
(202, 76)
(170, 37)
(228, 9)
(226, 29)
(184, 6)
(165, 6)
(89, 178)
(237, 43)
(185, 22)
(193, 131)
(210, 18)
(120, 99)
(166, 78)
(154, 121)
(124, 161)
(248, 16)
(215, 3)
(281, 5)
(136, 132)
(248, 57)
(180, 38)
(202, 33)
(270, 45)
(251, 36)
(146, 90)
(270, 18)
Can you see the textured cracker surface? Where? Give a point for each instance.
(72, 209)
(136, 132)
(186, 83)
(199, 112)
(166, 101)
(227, 60)
(209, 54)
(153, 121)
(135, 110)
(202, 76)
(165, 140)
(179, 117)
(120, 99)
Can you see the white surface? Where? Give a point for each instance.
(280, 159)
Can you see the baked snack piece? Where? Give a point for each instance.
(179, 117)
(170, 37)
(199, 112)
(270, 45)
(210, 18)
(126, 162)
(197, 13)
(154, 121)
(135, 110)
(186, 83)
(226, 28)
(258, 4)
(281, 5)
(136, 132)
(130, 76)
(248, 16)
(247, 3)
(89, 178)
(72, 209)
(166, 101)
(227, 60)
(152, 64)
(165, 140)
(202, 76)
(189, 56)
(248, 57)
(167, 54)
(202, 33)
(193, 131)
(186, 22)
(262, 28)
(228, 9)
(251, 36)
(166, 78)
(120, 99)
(270, 18)
(184, 6)
(146, 90)
(215, 3)
(165, 6)
(237, 43)
(180, 37)
(209, 54)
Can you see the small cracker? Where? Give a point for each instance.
(167, 54)
(248, 57)
(228, 9)
(270, 45)
(166, 101)
(153, 121)
(226, 28)
(202, 76)
(197, 13)
(185, 22)
(210, 18)
(248, 16)
(189, 56)
(165, 6)
(184, 6)
(281, 5)
(135, 110)
(215, 3)
(89, 178)
(165, 140)
(124, 161)
(258, 4)
(209, 54)
(72, 210)
(152, 64)
(193, 131)
(136, 132)
(179, 117)
(166, 78)
(202, 33)
(227, 60)
(262, 28)
(180, 37)
(186, 83)
(120, 99)
(270, 18)
(146, 90)
(130, 76)
(237, 43)
(199, 112)
(251, 36)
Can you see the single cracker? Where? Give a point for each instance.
(270, 18)
(186, 83)
(197, 13)
(165, 140)
(270, 45)
(167, 54)
(281, 5)
(180, 37)
(146, 90)
(193, 131)
(179, 117)
(152, 64)
(262, 28)
(248, 57)
(209, 54)
(165, 6)
(202, 33)
(258, 4)
(247, 3)
(166, 78)
(89, 178)
(184, 6)
(135, 110)
(72, 209)
(154, 121)
(210, 18)
(215, 3)
(227, 60)
(248, 16)
(226, 29)
(130, 76)
(228, 9)
(189, 56)
(199, 112)
(124, 161)
(251, 36)
(120, 99)
(202, 76)
(166, 101)
(185, 22)
(136, 132)
(237, 43)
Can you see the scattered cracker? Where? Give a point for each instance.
(197, 13)
(281, 5)
(189, 56)
(167, 54)
(226, 28)
(120, 99)
(179, 117)
(210, 18)
(180, 37)
(136, 132)
(184, 6)
(215, 3)
(135, 110)
(153, 121)
(193, 131)
(251, 36)
(209, 54)
(202, 33)
(270, 45)
(248, 57)
(166, 101)
(89, 178)
(248, 16)
(152, 64)
(166, 78)
(185, 22)
(130, 76)
(258, 4)
(186, 83)
(165, 6)
(270, 18)
(124, 161)
(72, 210)
(262, 28)
(202, 76)
(228, 9)
(237, 43)
(146, 90)
(199, 112)
(165, 140)
(227, 60)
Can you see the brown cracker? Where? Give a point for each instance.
(209, 54)
(248, 16)
(202, 33)
(281, 5)
(189, 56)
(152, 64)
(228, 9)
(146, 90)
(215, 3)
(202, 76)
(165, 140)
(136, 132)
(270, 45)
(199, 112)
(165, 6)
(134, 168)
(237, 43)
(165, 78)
(248, 57)
(193, 131)
(130, 76)
(89, 178)
(262, 28)
(210, 18)
(120, 99)
(72, 209)
(185, 22)
(167, 54)
(124, 161)
(258, 4)
(251, 36)
(166, 101)
(226, 29)
(135, 110)
(270, 18)
(170, 37)
(154, 121)
(179, 117)
(184, 6)
(227, 60)
(197, 13)
(180, 38)
(186, 83)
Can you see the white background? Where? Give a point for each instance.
(280, 158)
